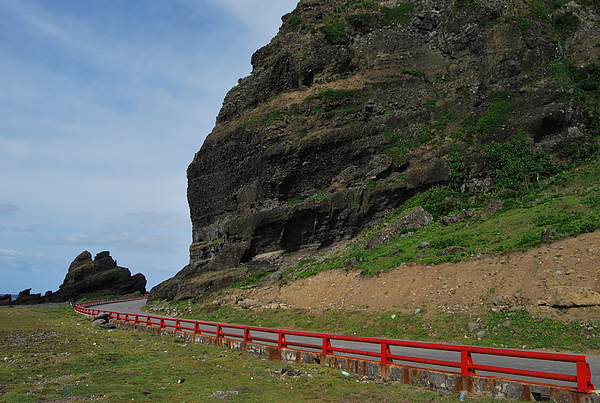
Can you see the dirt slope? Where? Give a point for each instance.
(528, 278)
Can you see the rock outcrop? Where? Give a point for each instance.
(355, 107)
(25, 297)
(569, 296)
(100, 275)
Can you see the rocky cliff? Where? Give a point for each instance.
(101, 275)
(358, 105)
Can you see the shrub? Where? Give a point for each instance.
(513, 163)
(575, 153)
(437, 201)
(334, 32)
(296, 200)
(455, 163)
(566, 24)
(401, 14)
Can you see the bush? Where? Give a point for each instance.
(334, 32)
(401, 14)
(512, 164)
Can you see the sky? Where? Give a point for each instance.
(103, 105)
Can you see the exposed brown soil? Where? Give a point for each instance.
(521, 278)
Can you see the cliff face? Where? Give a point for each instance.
(358, 105)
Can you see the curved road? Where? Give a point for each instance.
(134, 307)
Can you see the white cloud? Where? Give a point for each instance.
(9, 253)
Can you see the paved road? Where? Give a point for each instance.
(508, 362)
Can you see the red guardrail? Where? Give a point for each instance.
(383, 351)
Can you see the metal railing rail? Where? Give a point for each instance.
(380, 350)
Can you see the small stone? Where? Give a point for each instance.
(480, 334)
(98, 322)
(291, 371)
(472, 326)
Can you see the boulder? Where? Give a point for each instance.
(5, 299)
(518, 299)
(103, 316)
(250, 303)
(548, 235)
(98, 322)
(570, 296)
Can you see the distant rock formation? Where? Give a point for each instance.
(87, 276)
(26, 298)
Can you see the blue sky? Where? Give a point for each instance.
(103, 105)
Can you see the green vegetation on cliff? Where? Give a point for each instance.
(566, 203)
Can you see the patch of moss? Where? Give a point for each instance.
(400, 14)
(334, 31)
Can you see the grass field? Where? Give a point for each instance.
(52, 354)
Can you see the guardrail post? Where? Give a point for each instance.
(281, 343)
(385, 354)
(247, 336)
(326, 346)
(584, 377)
(220, 334)
(197, 329)
(466, 363)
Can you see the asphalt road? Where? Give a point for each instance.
(134, 306)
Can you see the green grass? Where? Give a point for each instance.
(52, 354)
